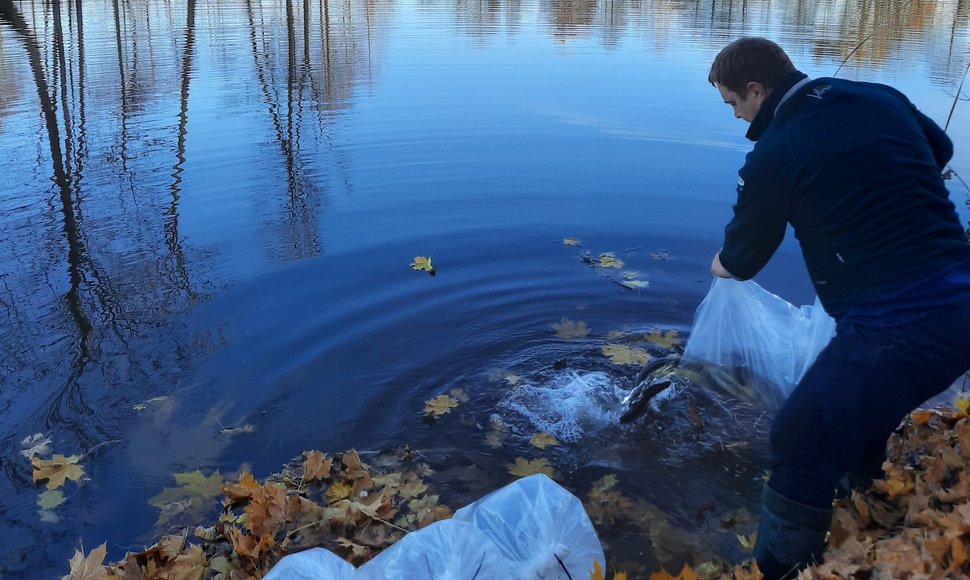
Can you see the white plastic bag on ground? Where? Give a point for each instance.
(445, 550)
(541, 528)
(312, 564)
(742, 325)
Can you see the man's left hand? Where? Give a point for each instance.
(717, 269)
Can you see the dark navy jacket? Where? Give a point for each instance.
(855, 168)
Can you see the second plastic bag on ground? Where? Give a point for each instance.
(742, 325)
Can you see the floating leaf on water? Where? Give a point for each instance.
(495, 439)
(56, 470)
(626, 355)
(523, 467)
(49, 516)
(660, 255)
(91, 566)
(608, 260)
(630, 275)
(747, 542)
(50, 499)
(237, 430)
(567, 329)
(422, 263)
(512, 379)
(667, 340)
(597, 572)
(36, 444)
(543, 440)
(440, 405)
(572, 242)
(615, 335)
(635, 284)
(144, 405)
(192, 485)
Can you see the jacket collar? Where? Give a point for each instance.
(773, 102)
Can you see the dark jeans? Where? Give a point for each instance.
(839, 417)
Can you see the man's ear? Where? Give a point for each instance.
(756, 90)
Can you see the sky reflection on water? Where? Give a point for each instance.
(217, 202)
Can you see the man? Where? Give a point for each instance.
(855, 169)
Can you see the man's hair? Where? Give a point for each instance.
(750, 59)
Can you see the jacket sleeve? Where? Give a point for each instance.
(759, 222)
(939, 141)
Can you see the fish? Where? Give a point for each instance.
(638, 398)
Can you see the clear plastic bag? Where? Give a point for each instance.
(312, 564)
(541, 528)
(742, 325)
(531, 529)
(445, 550)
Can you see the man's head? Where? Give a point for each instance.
(746, 71)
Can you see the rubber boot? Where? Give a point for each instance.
(791, 535)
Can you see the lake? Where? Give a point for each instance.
(208, 213)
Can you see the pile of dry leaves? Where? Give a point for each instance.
(913, 523)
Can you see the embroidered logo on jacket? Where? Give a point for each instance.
(817, 92)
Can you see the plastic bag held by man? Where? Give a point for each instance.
(742, 325)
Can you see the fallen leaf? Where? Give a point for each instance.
(242, 490)
(440, 405)
(667, 340)
(413, 488)
(597, 572)
(626, 355)
(921, 417)
(422, 263)
(49, 516)
(494, 439)
(512, 379)
(316, 466)
(686, 573)
(572, 242)
(543, 440)
(88, 567)
(36, 444)
(660, 255)
(50, 499)
(568, 329)
(337, 492)
(523, 467)
(962, 404)
(619, 576)
(747, 542)
(608, 260)
(57, 470)
(635, 284)
(144, 404)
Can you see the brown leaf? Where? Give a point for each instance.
(543, 440)
(242, 490)
(56, 470)
(523, 467)
(89, 567)
(440, 405)
(686, 573)
(316, 466)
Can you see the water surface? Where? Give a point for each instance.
(217, 203)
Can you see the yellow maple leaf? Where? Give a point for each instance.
(89, 567)
(422, 263)
(619, 576)
(686, 573)
(626, 355)
(337, 492)
(568, 329)
(56, 470)
(668, 339)
(543, 440)
(572, 242)
(440, 405)
(523, 467)
(413, 488)
(608, 260)
(597, 572)
(962, 405)
(747, 542)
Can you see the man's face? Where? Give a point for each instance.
(748, 107)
